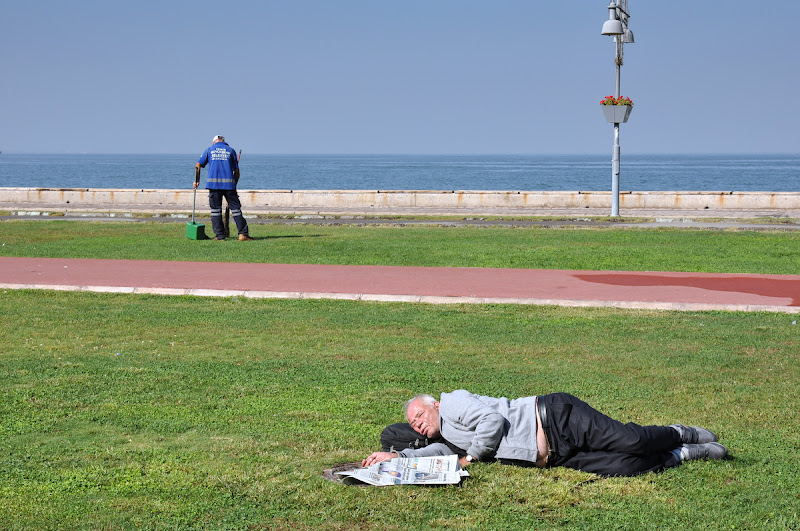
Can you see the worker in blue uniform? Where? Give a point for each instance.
(223, 175)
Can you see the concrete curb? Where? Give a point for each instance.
(412, 202)
(423, 299)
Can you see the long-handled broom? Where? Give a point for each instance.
(195, 231)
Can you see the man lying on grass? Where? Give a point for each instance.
(546, 431)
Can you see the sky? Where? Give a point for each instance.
(396, 77)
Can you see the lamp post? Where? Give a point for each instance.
(617, 27)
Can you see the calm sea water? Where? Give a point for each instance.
(414, 172)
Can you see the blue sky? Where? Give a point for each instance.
(382, 76)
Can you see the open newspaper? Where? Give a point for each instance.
(439, 470)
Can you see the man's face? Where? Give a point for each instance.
(424, 419)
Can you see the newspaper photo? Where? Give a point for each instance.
(440, 470)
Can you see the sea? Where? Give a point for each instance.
(772, 173)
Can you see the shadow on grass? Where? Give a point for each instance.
(277, 237)
(285, 236)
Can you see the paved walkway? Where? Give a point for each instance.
(622, 289)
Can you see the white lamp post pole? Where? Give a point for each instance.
(615, 153)
(617, 26)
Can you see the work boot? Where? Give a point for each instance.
(709, 450)
(694, 434)
(244, 238)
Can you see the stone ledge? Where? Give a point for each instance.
(402, 201)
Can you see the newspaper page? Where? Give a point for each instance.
(439, 470)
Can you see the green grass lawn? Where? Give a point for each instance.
(142, 411)
(603, 249)
(135, 411)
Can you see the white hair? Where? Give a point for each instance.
(427, 400)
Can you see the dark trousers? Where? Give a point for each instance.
(582, 438)
(215, 202)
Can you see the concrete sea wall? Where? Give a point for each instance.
(519, 202)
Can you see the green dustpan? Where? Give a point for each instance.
(195, 231)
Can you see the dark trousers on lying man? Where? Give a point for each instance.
(582, 438)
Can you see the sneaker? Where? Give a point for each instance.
(709, 450)
(694, 434)
(244, 238)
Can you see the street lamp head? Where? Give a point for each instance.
(612, 26)
(627, 37)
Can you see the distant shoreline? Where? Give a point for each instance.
(260, 154)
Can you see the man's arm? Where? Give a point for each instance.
(467, 410)
(235, 165)
(426, 451)
(201, 163)
(433, 450)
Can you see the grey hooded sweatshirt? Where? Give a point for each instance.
(485, 427)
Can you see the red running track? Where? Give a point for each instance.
(626, 289)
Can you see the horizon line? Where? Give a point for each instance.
(390, 154)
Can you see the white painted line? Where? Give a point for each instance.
(390, 298)
(338, 296)
(162, 291)
(425, 299)
(273, 294)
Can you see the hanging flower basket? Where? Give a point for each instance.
(616, 110)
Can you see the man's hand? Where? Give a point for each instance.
(377, 457)
(196, 184)
(463, 462)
